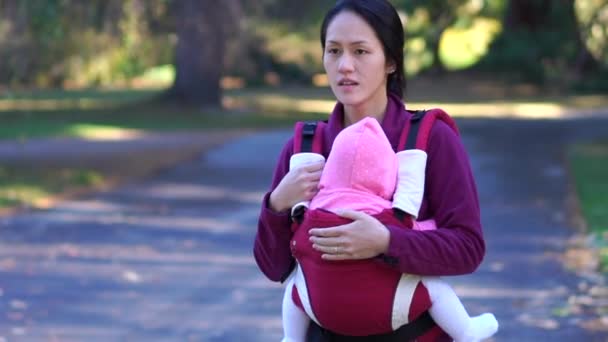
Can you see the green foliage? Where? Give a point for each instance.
(493, 8)
(33, 40)
(451, 34)
(113, 42)
(595, 83)
(589, 163)
(517, 50)
(273, 47)
(593, 22)
(162, 75)
(541, 43)
(462, 46)
(70, 42)
(33, 186)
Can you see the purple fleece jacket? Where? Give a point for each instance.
(456, 247)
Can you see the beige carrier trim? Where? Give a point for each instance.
(410, 182)
(300, 282)
(403, 299)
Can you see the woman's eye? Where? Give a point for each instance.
(360, 51)
(332, 51)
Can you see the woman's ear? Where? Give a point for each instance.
(390, 68)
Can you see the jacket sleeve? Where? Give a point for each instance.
(271, 247)
(457, 246)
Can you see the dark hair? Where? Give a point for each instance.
(385, 21)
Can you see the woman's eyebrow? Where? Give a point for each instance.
(358, 42)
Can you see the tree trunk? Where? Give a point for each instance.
(529, 15)
(437, 68)
(202, 30)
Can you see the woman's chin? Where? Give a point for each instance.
(348, 99)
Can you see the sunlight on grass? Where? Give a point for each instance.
(255, 107)
(35, 187)
(162, 73)
(589, 163)
(82, 99)
(518, 109)
(102, 132)
(588, 101)
(36, 105)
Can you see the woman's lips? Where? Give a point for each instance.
(347, 82)
(347, 85)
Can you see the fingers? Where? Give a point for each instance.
(314, 176)
(352, 214)
(332, 249)
(326, 242)
(315, 167)
(326, 232)
(310, 189)
(336, 252)
(309, 182)
(328, 249)
(304, 184)
(337, 257)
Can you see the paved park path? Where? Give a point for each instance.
(169, 258)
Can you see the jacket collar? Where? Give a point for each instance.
(392, 123)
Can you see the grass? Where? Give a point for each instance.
(114, 119)
(31, 187)
(95, 113)
(589, 163)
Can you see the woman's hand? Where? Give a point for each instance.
(363, 238)
(298, 185)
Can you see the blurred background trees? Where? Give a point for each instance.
(81, 43)
(542, 40)
(196, 48)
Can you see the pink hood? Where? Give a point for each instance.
(360, 172)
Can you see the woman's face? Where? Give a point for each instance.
(354, 61)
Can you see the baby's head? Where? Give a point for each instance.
(361, 166)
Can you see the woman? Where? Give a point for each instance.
(362, 45)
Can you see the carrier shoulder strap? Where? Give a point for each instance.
(308, 136)
(416, 133)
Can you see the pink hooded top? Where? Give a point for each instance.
(361, 172)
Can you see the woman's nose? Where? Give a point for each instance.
(345, 64)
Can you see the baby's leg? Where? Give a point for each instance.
(449, 313)
(295, 321)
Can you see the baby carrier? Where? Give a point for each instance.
(387, 300)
